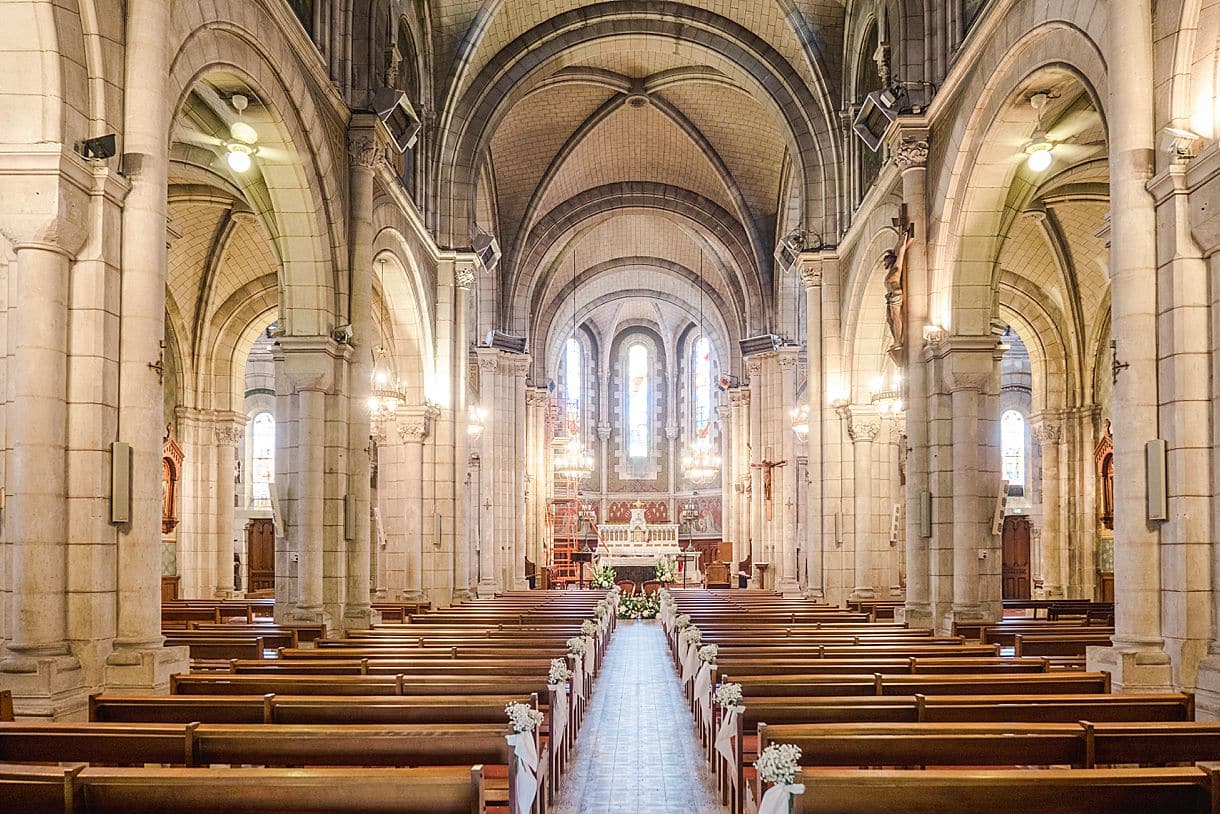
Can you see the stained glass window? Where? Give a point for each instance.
(701, 380)
(572, 385)
(638, 374)
(1012, 446)
(262, 459)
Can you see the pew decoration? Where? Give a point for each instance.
(667, 569)
(588, 627)
(690, 639)
(703, 680)
(524, 719)
(665, 609)
(778, 765)
(603, 577)
(728, 698)
(576, 650)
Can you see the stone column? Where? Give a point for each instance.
(520, 369)
(754, 368)
(230, 429)
(45, 677)
(892, 474)
(413, 425)
(969, 371)
(911, 157)
(488, 541)
(811, 276)
(863, 430)
(138, 662)
(787, 581)
(1049, 432)
(1137, 661)
(364, 154)
(724, 412)
(740, 399)
(309, 364)
(463, 589)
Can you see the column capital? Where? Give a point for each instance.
(786, 357)
(740, 396)
(463, 275)
(309, 361)
(725, 412)
(364, 148)
(969, 362)
(489, 359)
(537, 396)
(909, 147)
(1047, 430)
(812, 265)
(863, 423)
(753, 366)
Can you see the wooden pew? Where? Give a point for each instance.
(218, 647)
(6, 706)
(1063, 791)
(75, 789)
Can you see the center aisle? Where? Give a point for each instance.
(637, 750)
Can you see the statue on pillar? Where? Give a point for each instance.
(894, 262)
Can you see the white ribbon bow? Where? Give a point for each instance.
(559, 716)
(591, 652)
(690, 664)
(526, 751)
(775, 801)
(725, 736)
(703, 691)
(578, 678)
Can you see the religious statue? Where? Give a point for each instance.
(894, 262)
(767, 467)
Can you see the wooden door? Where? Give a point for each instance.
(260, 554)
(1015, 571)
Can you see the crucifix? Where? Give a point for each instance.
(895, 284)
(767, 465)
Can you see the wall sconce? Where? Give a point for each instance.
(800, 422)
(476, 423)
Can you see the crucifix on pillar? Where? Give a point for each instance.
(767, 466)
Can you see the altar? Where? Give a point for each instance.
(634, 548)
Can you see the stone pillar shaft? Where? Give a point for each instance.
(786, 569)
(864, 428)
(310, 514)
(1054, 553)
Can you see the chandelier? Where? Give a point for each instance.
(800, 423)
(700, 464)
(387, 393)
(573, 462)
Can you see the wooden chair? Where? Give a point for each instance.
(651, 587)
(717, 575)
(626, 586)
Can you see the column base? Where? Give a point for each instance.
(307, 616)
(487, 590)
(863, 593)
(1207, 689)
(520, 584)
(358, 618)
(410, 596)
(47, 687)
(915, 615)
(145, 670)
(1146, 670)
(462, 595)
(896, 590)
(789, 588)
(814, 594)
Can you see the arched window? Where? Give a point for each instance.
(638, 402)
(262, 459)
(572, 385)
(1012, 446)
(701, 385)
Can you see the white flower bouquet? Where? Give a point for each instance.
(707, 653)
(728, 695)
(588, 627)
(682, 621)
(523, 717)
(576, 646)
(667, 570)
(779, 763)
(601, 608)
(559, 673)
(692, 635)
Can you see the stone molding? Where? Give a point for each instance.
(365, 151)
(309, 361)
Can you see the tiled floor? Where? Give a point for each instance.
(638, 751)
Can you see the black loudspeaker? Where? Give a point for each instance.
(101, 147)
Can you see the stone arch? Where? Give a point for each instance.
(404, 306)
(977, 209)
(468, 121)
(235, 326)
(306, 221)
(713, 223)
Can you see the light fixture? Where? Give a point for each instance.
(800, 422)
(1039, 147)
(572, 462)
(699, 463)
(476, 423)
(387, 394)
(241, 145)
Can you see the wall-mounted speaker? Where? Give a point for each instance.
(120, 482)
(925, 513)
(1156, 462)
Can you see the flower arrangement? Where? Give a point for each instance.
(779, 763)
(523, 717)
(588, 627)
(692, 635)
(576, 646)
(639, 607)
(601, 608)
(667, 570)
(560, 673)
(707, 653)
(728, 695)
(682, 621)
(603, 577)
